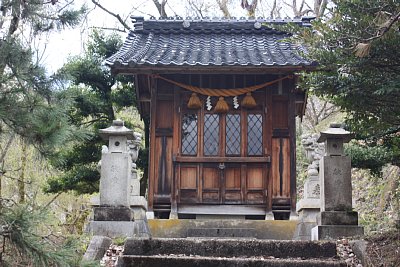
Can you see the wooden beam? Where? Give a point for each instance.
(266, 159)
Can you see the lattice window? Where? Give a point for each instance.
(211, 134)
(189, 134)
(254, 135)
(232, 134)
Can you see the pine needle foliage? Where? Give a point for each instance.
(97, 97)
(27, 243)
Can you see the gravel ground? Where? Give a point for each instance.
(346, 254)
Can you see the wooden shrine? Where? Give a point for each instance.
(222, 100)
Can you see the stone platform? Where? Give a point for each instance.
(260, 229)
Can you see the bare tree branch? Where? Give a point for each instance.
(117, 16)
(223, 6)
(385, 28)
(161, 7)
(108, 28)
(251, 8)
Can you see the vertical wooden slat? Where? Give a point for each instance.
(243, 175)
(153, 105)
(175, 147)
(200, 183)
(268, 145)
(292, 148)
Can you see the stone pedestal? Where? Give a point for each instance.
(337, 219)
(309, 206)
(121, 211)
(308, 209)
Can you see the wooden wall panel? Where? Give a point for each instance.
(232, 178)
(211, 177)
(165, 111)
(281, 167)
(279, 114)
(188, 177)
(256, 197)
(163, 165)
(232, 197)
(255, 177)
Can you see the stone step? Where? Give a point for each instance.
(198, 261)
(260, 229)
(243, 248)
(222, 232)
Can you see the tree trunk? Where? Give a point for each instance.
(2, 157)
(21, 180)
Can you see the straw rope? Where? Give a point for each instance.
(222, 92)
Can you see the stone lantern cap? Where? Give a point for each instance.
(116, 129)
(335, 131)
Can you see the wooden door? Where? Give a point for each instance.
(223, 158)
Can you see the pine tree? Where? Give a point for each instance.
(98, 96)
(357, 48)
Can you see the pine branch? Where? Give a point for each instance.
(385, 29)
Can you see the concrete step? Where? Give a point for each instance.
(197, 261)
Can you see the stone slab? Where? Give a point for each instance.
(97, 247)
(308, 203)
(303, 230)
(359, 248)
(338, 218)
(336, 192)
(174, 228)
(332, 232)
(139, 213)
(219, 217)
(113, 214)
(308, 215)
(138, 201)
(222, 232)
(112, 229)
(174, 261)
(114, 181)
(215, 247)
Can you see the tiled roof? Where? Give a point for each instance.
(199, 43)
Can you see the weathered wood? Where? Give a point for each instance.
(152, 156)
(243, 179)
(281, 167)
(265, 159)
(222, 209)
(292, 144)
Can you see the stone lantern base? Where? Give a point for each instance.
(331, 232)
(336, 224)
(120, 221)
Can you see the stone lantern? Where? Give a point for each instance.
(337, 218)
(121, 210)
(115, 165)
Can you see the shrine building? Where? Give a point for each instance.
(221, 98)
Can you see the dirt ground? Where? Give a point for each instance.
(383, 249)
